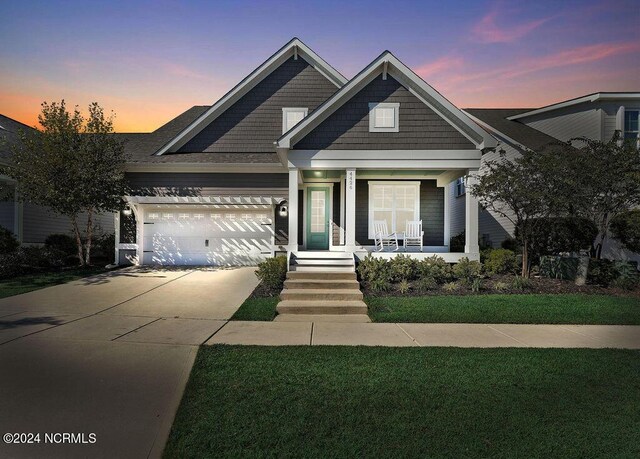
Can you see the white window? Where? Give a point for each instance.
(183, 216)
(231, 217)
(292, 116)
(631, 122)
(153, 215)
(459, 187)
(167, 216)
(246, 216)
(384, 117)
(394, 202)
(198, 216)
(216, 216)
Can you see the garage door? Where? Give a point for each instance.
(221, 237)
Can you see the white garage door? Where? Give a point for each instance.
(221, 237)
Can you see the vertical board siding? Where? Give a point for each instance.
(431, 212)
(348, 127)
(254, 122)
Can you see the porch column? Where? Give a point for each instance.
(350, 210)
(447, 215)
(471, 216)
(116, 228)
(293, 210)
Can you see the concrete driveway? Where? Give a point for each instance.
(108, 355)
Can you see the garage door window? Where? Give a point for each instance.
(167, 216)
(153, 216)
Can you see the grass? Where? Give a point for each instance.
(403, 402)
(523, 309)
(30, 282)
(257, 308)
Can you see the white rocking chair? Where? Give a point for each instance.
(382, 236)
(414, 234)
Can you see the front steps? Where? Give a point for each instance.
(314, 296)
(322, 262)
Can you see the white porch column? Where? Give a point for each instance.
(116, 228)
(471, 216)
(350, 210)
(447, 215)
(293, 210)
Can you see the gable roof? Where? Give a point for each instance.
(9, 135)
(388, 63)
(596, 96)
(514, 132)
(295, 47)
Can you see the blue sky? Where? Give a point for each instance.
(148, 61)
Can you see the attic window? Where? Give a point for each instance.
(384, 117)
(292, 116)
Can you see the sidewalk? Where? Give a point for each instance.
(455, 335)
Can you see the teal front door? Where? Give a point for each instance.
(318, 218)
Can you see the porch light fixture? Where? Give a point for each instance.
(283, 210)
(127, 211)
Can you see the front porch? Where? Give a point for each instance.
(332, 211)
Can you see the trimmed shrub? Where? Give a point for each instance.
(8, 242)
(467, 270)
(627, 276)
(456, 244)
(626, 229)
(435, 268)
(500, 261)
(403, 268)
(608, 272)
(272, 272)
(375, 273)
(557, 267)
(30, 259)
(62, 242)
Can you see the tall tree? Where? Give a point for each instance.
(599, 180)
(519, 190)
(73, 165)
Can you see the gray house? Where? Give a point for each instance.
(297, 160)
(31, 223)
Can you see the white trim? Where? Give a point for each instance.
(287, 110)
(392, 227)
(116, 230)
(481, 138)
(350, 209)
(447, 215)
(305, 186)
(260, 168)
(579, 100)
(293, 210)
(295, 46)
(491, 129)
(208, 200)
(373, 106)
(471, 216)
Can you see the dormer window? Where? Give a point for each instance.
(292, 116)
(384, 117)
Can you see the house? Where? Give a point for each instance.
(31, 223)
(298, 160)
(595, 116)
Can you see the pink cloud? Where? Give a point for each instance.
(444, 64)
(496, 27)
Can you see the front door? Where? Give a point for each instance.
(318, 218)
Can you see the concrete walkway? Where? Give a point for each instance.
(109, 355)
(456, 335)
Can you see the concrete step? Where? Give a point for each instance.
(337, 318)
(325, 254)
(328, 275)
(321, 307)
(322, 268)
(323, 262)
(323, 284)
(320, 294)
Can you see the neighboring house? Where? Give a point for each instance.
(596, 116)
(30, 223)
(296, 159)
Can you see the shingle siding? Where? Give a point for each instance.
(200, 184)
(254, 122)
(431, 212)
(348, 128)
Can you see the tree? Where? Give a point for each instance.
(625, 228)
(518, 190)
(72, 165)
(599, 180)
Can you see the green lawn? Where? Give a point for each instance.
(405, 402)
(24, 284)
(257, 309)
(523, 309)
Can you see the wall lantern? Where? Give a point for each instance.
(127, 211)
(283, 210)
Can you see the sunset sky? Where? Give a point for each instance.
(149, 60)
